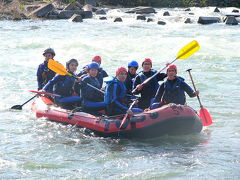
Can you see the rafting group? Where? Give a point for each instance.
(86, 90)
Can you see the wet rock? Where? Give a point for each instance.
(231, 20)
(234, 15)
(87, 14)
(118, 19)
(76, 18)
(103, 18)
(89, 7)
(235, 11)
(188, 21)
(31, 8)
(42, 11)
(208, 20)
(142, 10)
(149, 20)
(141, 17)
(166, 13)
(66, 14)
(100, 12)
(73, 6)
(216, 10)
(191, 13)
(52, 16)
(188, 9)
(91, 2)
(161, 23)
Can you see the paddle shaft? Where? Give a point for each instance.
(201, 106)
(29, 100)
(126, 115)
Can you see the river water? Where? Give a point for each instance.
(32, 148)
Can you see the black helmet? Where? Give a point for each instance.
(70, 61)
(49, 50)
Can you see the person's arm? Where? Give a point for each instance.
(188, 89)
(50, 84)
(121, 106)
(136, 82)
(161, 76)
(159, 93)
(39, 77)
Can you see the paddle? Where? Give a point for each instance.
(60, 69)
(203, 112)
(45, 93)
(19, 107)
(184, 53)
(126, 115)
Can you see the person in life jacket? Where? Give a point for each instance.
(101, 73)
(44, 74)
(132, 69)
(92, 99)
(63, 86)
(116, 97)
(173, 90)
(149, 90)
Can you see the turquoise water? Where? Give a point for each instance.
(32, 148)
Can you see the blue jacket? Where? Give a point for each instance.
(44, 74)
(129, 82)
(173, 91)
(115, 97)
(62, 85)
(149, 90)
(88, 93)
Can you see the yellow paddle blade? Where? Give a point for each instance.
(188, 50)
(57, 67)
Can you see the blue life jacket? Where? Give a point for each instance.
(64, 85)
(88, 93)
(44, 74)
(174, 93)
(151, 87)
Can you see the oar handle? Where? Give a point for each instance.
(194, 87)
(29, 100)
(150, 78)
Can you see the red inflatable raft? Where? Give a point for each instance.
(170, 119)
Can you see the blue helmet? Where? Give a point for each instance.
(93, 65)
(133, 64)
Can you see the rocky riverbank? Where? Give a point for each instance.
(77, 12)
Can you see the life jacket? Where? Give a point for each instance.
(129, 82)
(47, 73)
(120, 94)
(174, 93)
(89, 93)
(64, 86)
(151, 87)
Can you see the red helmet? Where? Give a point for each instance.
(97, 59)
(172, 67)
(147, 60)
(120, 69)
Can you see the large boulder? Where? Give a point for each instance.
(100, 12)
(235, 11)
(91, 2)
(141, 17)
(66, 14)
(73, 6)
(142, 10)
(118, 19)
(166, 13)
(89, 7)
(87, 14)
(231, 20)
(187, 21)
(208, 20)
(42, 11)
(76, 18)
(161, 23)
